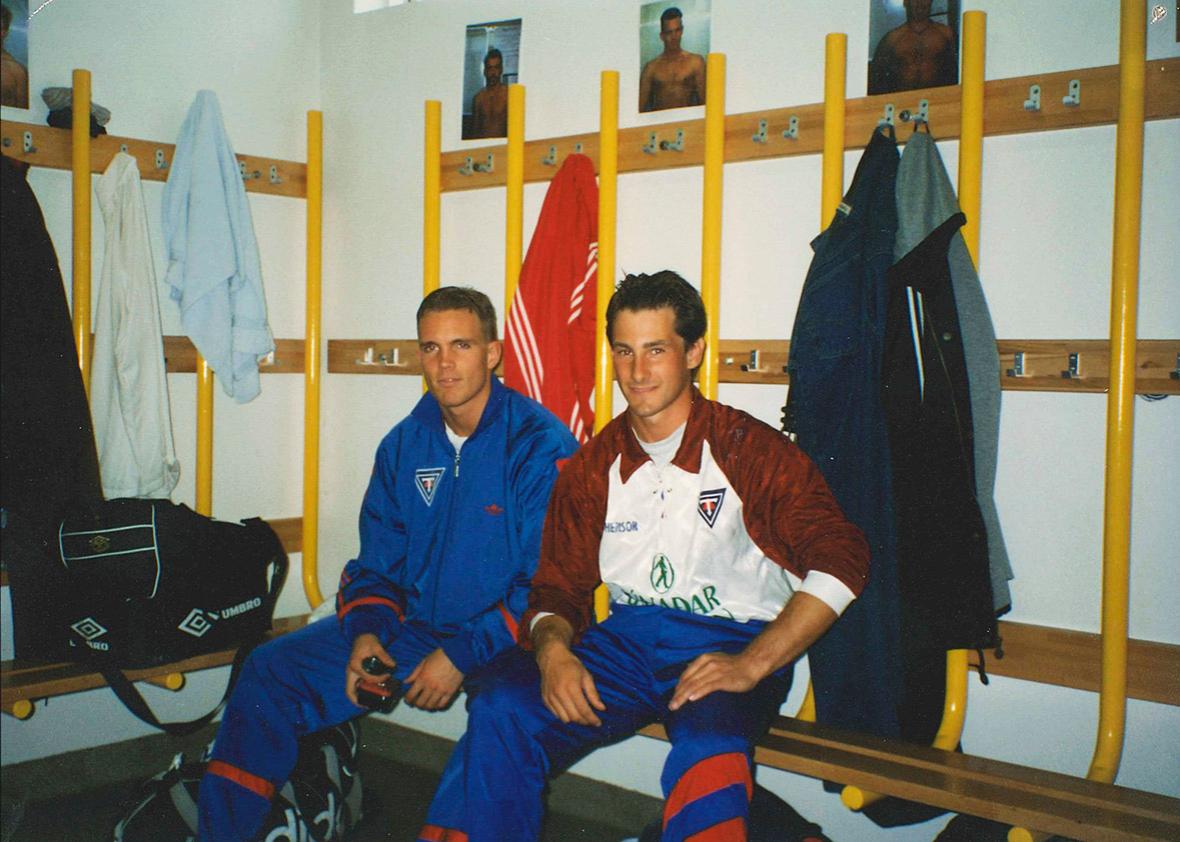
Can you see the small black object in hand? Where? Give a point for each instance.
(381, 696)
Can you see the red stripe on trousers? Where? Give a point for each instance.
(509, 620)
(733, 830)
(706, 777)
(369, 600)
(434, 833)
(259, 786)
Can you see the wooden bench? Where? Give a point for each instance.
(1005, 792)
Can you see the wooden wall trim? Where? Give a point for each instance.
(1070, 658)
(1004, 113)
(1157, 362)
(53, 150)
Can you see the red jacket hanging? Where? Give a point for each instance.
(551, 325)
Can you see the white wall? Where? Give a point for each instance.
(147, 62)
(1045, 258)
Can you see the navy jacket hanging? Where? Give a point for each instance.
(834, 409)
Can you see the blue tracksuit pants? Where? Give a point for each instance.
(291, 686)
(491, 790)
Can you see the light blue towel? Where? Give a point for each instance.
(213, 267)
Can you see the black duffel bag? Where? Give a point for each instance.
(151, 582)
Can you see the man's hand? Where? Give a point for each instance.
(434, 682)
(365, 645)
(711, 672)
(567, 688)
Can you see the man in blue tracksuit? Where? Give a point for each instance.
(450, 534)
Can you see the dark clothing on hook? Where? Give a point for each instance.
(834, 408)
(49, 462)
(64, 119)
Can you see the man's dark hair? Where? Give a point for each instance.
(493, 53)
(5, 17)
(651, 292)
(670, 13)
(462, 298)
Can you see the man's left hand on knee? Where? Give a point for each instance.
(711, 672)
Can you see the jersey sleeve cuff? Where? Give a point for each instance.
(826, 587)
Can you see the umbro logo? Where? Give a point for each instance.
(427, 481)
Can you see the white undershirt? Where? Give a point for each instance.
(456, 439)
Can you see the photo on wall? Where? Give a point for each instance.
(14, 64)
(913, 44)
(491, 63)
(673, 43)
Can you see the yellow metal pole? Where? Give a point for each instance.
(1120, 401)
(514, 176)
(80, 148)
(204, 470)
(971, 127)
(608, 183)
(432, 173)
(831, 190)
(311, 358)
(711, 216)
(835, 67)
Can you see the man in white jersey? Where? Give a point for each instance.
(725, 557)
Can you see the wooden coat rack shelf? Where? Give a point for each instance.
(45, 146)
(1004, 113)
(1043, 363)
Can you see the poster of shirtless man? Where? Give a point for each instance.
(673, 41)
(491, 63)
(913, 44)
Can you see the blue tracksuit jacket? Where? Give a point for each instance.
(451, 541)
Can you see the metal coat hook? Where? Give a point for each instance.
(760, 137)
(791, 132)
(28, 143)
(754, 366)
(246, 176)
(1033, 103)
(275, 178)
(887, 118)
(922, 115)
(392, 359)
(123, 148)
(676, 145)
(1074, 370)
(1175, 373)
(1074, 97)
(550, 160)
(161, 161)
(267, 359)
(1017, 369)
(367, 359)
(653, 144)
(473, 166)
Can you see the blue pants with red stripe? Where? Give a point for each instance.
(491, 790)
(291, 686)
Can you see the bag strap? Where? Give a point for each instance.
(134, 701)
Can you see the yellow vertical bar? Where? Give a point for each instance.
(204, 471)
(514, 176)
(971, 127)
(432, 173)
(311, 358)
(711, 216)
(835, 69)
(80, 152)
(1120, 400)
(608, 183)
(831, 190)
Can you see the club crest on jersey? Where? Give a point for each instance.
(427, 481)
(709, 505)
